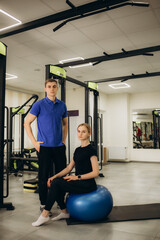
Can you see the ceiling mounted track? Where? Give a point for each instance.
(79, 11)
(106, 8)
(108, 57)
(129, 77)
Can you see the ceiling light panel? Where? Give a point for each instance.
(7, 21)
(10, 76)
(82, 65)
(70, 60)
(119, 85)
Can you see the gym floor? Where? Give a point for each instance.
(130, 184)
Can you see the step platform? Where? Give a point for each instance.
(30, 185)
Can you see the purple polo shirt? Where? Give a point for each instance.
(49, 120)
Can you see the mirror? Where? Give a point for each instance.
(146, 128)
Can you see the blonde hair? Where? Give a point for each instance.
(50, 80)
(85, 125)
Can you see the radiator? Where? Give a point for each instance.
(117, 153)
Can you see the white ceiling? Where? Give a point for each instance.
(126, 27)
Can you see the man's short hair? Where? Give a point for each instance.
(50, 80)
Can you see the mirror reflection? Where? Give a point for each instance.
(146, 128)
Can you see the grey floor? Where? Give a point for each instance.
(129, 183)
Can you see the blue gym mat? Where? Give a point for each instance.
(126, 213)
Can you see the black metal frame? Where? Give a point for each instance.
(22, 120)
(156, 127)
(95, 119)
(87, 106)
(107, 8)
(8, 206)
(129, 77)
(73, 12)
(21, 153)
(101, 136)
(114, 56)
(87, 89)
(62, 82)
(6, 141)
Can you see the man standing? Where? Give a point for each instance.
(51, 114)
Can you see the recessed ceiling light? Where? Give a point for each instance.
(119, 85)
(18, 22)
(71, 59)
(10, 76)
(81, 65)
(79, 76)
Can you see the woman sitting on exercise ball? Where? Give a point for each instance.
(86, 169)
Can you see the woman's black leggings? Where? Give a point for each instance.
(59, 187)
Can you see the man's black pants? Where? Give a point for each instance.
(51, 161)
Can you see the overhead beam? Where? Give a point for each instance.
(107, 57)
(108, 8)
(125, 78)
(80, 10)
(76, 82)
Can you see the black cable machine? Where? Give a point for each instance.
(96, 123)
(23, 157)
(156, 128)
(96, 139)
(6, 151)
(3, 53)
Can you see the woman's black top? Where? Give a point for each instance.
(82, 160)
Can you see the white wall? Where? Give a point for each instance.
(115, 124)
(75, 100)
(15, 98)
(103, 108)
(118, 120)
(145, 100)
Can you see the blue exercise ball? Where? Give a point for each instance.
(91, 206)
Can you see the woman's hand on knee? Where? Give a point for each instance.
(49, 182)
(70, 178)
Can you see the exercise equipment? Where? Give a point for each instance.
(156, 128)
(127, 213)
(91, 206)
(30, 185)
(91, 87)
(3, 53)
(6, 147)
(21, 159)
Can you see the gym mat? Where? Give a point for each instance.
(126, 213)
